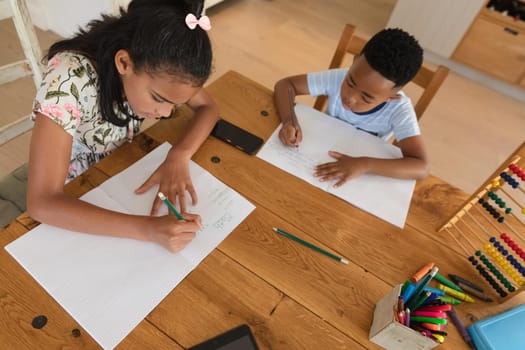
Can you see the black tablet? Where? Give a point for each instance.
(240, 338)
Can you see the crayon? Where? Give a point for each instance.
(408, 292)
(438, 337)
(458, 295)
(475, 292)
(433, 320)
(420, 300)
(404, 287)
(430, 326)
(446, 282)
(434, 290)
(461, 328)
(431, 299)
(457, 279)
(440, 314)
(422, 272)
(419, 287)
(449, 300)
(444, 307)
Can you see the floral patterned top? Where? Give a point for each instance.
(69, 95)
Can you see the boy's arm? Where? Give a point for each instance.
(413, 165)
(285, 91)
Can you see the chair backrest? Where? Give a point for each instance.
(427, 78)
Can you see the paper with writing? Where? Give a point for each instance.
(384, 197)
(109, 285)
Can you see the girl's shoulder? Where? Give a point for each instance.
(70, 65)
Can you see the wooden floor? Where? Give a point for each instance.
(469, 129)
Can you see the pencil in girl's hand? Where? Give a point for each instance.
(170, 206)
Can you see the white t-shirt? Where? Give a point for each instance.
(395, 117)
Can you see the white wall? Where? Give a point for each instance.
(438, 25)
(64, 17)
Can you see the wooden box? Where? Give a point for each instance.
(392, 335)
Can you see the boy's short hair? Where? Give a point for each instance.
(395, 54)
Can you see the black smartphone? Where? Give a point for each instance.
(237, 137)
(239, 338)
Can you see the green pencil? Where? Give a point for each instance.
(170, 206)
(310, 245)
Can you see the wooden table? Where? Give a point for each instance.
(291, 296)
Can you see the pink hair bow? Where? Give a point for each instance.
(203, 22)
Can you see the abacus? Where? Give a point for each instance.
(493, 218)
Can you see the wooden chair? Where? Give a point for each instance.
(428, 79)
(29, 66)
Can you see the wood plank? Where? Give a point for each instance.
(246, 103)
(344, 296)
(327, 288)
(22, 299)
(291, 326)
(147, 336)
(221, 294)
(218, 295)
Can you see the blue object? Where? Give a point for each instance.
(500, 332)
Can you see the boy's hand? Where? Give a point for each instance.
(290, 135)
(344, 168)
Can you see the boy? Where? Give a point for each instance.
(367, 95)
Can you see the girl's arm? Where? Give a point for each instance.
(46, 201)
(173, 174)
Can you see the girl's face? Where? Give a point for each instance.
(151, 96)
(364, 88)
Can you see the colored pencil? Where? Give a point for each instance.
(310, 245)
(170, 206)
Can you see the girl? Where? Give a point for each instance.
(99, 86)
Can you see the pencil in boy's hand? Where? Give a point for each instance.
(292, 112)
(310, 245)
(170, 206)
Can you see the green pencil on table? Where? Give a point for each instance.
(310, 245)
(170, 206)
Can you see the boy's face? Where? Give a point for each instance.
(364, 88)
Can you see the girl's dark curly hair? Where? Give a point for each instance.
(155, 34)
(395, 54)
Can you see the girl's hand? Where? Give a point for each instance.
(290, 135)
(173, 178)
(344, 168)
(173, 234)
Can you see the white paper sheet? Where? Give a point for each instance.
(384, 197)
(109, 285)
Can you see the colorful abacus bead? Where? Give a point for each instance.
(517, 171)
(513, 245)
(490, 280)
(510, 180)
(504, 264)
(495, 271)
(493, 211)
